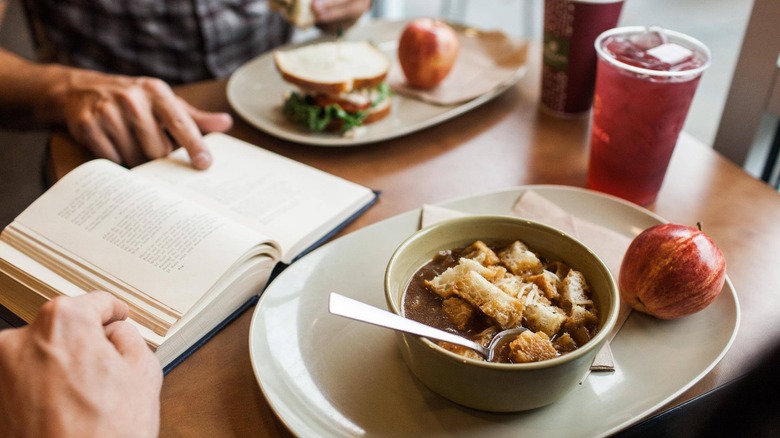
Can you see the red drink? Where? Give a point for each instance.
(645, 82)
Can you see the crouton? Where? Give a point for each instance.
(492, 301)
(548, 283)
(558, 268)
(581, 315)
(461, 350)
(444, 283)
(564, 343)
(579, 323)
(531, 347)
(480, 252)
(541, 317)
(514, 286)
(484, 337)
(531, 295)
(458, 311)
(520, 260)
(574, 291)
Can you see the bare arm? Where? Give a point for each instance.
(22, 102)
(125, 119)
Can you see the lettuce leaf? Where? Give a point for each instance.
(302, 110)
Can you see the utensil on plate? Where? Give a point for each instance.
(359, 311)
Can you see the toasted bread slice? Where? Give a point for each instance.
(379, 112)
(297, 12)
(333, 67)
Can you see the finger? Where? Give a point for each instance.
(130, 345)
(87, 131)
(126, 339)
(167, 146)
(208, 121)
(81, 317)
(339, 10)
(106, 306)
(330, 6)
(138, 106)
(175, 119)
(116, 129)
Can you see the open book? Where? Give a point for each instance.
(186, 249)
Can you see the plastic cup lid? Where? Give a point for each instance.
(674, 47)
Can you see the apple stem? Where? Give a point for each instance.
(698, 225)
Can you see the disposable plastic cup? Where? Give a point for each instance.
(641, 100)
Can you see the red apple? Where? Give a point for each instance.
(427, 51)
(670, 271)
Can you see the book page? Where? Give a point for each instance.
(293, 203)
(143, 234)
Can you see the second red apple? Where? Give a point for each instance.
(427, 51)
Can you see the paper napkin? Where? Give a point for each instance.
(487, 61)
(607, 244)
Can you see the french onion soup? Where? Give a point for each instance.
(483, 288)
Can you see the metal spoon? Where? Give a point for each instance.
(353, 309)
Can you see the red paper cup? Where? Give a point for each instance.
(568, 57)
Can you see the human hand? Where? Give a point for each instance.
(79, 370)
(332, 15)
(130, 120)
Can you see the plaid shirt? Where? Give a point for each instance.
(179, 41)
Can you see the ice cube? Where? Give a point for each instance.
(653, 37)
(670, 53)
(627, 52)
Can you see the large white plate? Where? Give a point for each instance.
(256, 90)
(328, 376)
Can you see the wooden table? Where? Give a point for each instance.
(506, 142)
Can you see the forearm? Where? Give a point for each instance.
(29, 92)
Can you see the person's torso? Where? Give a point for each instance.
(178, 41)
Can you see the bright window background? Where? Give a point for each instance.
(719, 24)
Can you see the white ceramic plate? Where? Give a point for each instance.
(256, 90)
(328, 376)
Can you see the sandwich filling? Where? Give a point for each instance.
(342, 111)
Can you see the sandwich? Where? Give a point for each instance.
(296, 12)
(340, 85)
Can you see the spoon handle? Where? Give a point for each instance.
(349, 308)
